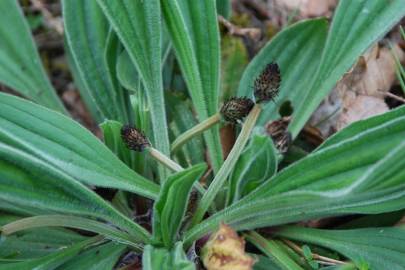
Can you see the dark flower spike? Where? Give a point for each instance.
(236, 108)
(137, 141)
(267, 84)
(134, 138)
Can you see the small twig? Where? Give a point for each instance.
(322, 259)
(388, 94)
(253, 33)
(54, 23)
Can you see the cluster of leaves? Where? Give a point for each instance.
(124, 56)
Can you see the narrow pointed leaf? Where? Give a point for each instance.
(194, 33)
(50, 261)
(171, 205)
(183, 119)
(257, 163)
(380, 248)
(87, 33)
(154, 258)
(369, 182)
(224, 8)
(356, 25)
(138, 26)
(334, 167)
(20, 65)
(274, 250)
(36, 242)
(30, 182)
(362, 125)
(65, 145)
(265, 263)
(88, 100)
(80, 223)
(102, 257)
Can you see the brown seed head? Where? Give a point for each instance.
(278, 132)
(134, 138)
(236, 108)
(267, 84)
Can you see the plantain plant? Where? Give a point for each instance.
(155, 65)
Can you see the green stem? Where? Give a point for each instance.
(273, 250)
(71, 222)
(228, 165)
(194, 131)
(163, 159)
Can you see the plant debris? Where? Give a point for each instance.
(225, 250)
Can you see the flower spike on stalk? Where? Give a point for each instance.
(233, 111)
(236, 108)
(266, 87)
(267, 84)
(136, 140)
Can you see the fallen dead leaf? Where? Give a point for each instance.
(302, 8)
(360, 93)
(362, 107)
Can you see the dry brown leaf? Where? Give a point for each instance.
(306, 8)
(225, 250)
(360, 94)
(362, 107)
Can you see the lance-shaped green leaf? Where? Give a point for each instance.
(224, 8)
(368, 183)
(63, 144)
(27, 181)
(297, 50)
(154, 258)
(88, 100)
(274, 250)
(379, 248)
(87, 32)
(171, 205)
(127, 74)
(20, 65)
(138, 26)
(340, 164)
(361, 126)
(129, 78)
(265, 263)
(194, 33)
(355, 26)
(113, 50)
(257, 164)
(36, 242)
(102, 257)
(182, 119)
(132, 239)
(234, 58)
(51, 261)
